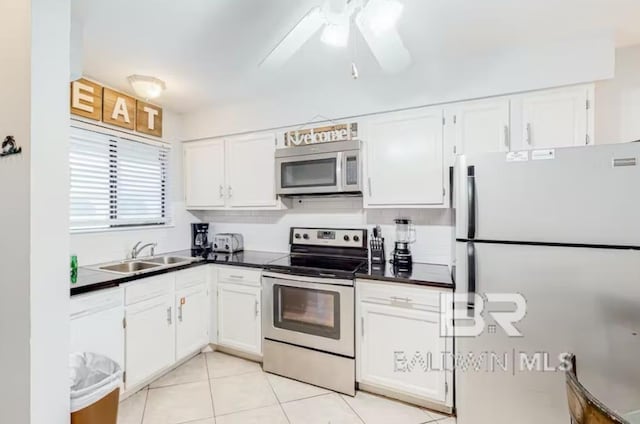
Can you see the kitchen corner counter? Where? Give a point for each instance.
(91, 279)
(422, 274)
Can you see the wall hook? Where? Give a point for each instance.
(9, 147)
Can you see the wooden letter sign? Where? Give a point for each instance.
(86, 99)
(148, 118)
(91, 100)
(119, 109)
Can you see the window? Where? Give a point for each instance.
(116, 182)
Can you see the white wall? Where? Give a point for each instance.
(97, 247)
(448, 78)
(50, 28)
(618, 100)
(269, 230)
(15, 228)
(34, 280)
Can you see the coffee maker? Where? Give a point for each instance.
(405, 236)
(200, 244)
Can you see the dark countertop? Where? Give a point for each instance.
(91, 279)
(422, 274)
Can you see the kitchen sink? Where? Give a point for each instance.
(138, 266)
(129, 267)
(168, 260)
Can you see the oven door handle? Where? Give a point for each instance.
(305, 279)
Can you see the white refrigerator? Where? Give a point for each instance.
(560, 228)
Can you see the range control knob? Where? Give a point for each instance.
(297, 235)
(306, 236)
(356, 238)
(346, 238)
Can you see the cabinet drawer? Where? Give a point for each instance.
(400, 295)
(191, 277)
(237, 275)
(90, 303)
(149, 288)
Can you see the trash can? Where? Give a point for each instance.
(95, 389)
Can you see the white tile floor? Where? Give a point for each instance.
(215, 388)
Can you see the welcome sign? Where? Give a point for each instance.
(340, 132)
(93, 101)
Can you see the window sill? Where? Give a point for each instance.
(121, 229)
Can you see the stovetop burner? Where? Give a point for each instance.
(318, 265)
(337, 253)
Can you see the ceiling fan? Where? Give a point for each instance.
(376, 20)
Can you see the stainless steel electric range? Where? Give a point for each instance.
(308, 317)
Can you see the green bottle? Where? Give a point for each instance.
(74, 269)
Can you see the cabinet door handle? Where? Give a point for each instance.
(507, 141)
(369, 185)
(400, 299)
(169, 318)
(230, 192)
(238, 277)
(221, 191)
(180, 310)
(257, 312)
(528, 133)
(362, 326)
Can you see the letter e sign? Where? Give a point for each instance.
(148, 118)
(119, 109)
(86, 99)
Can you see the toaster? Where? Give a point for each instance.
(228, 242)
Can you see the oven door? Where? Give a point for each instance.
(310, 312)
(309, 174)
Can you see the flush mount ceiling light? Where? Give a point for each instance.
(376, 20)
(147, 87)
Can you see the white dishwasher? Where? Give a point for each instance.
(97, 323)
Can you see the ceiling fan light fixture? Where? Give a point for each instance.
(147, 87)
(381, 15)
(336, 35)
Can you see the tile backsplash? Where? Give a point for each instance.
(269, 230)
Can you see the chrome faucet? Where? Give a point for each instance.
(136, 250)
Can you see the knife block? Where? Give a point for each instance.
(376, 247)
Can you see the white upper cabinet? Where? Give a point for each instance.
(204, 174)
(250, 168)
(557, 118)
(482, 126)
(404, 156)
(238, 172)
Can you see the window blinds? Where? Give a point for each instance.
(116, 182)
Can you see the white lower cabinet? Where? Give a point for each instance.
(96, 324)
(150, 338)
(192, 313)
(399, 348)
(239, 317)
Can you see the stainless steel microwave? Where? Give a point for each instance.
(322, 168)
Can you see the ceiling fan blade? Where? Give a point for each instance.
(296, 38)
(387, 47)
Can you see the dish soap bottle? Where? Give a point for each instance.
(74, 269)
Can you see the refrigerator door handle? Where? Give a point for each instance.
(471, 276)
(471, 202)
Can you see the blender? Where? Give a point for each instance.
(405, 235)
